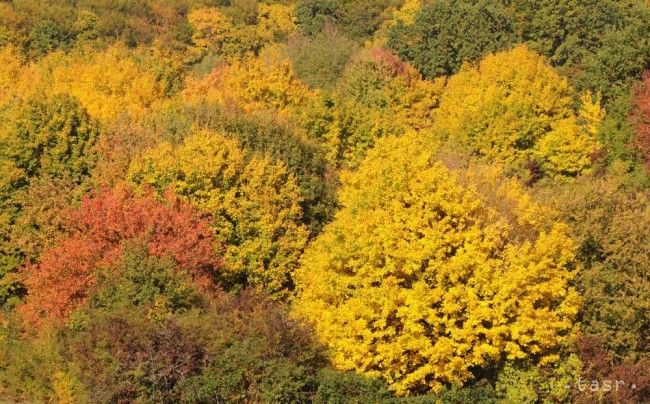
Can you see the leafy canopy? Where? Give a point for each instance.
(42, 140)
(99, 230)
(378, 95)
(254, 202)
(429, 273)
(513, 108)
(446, 33)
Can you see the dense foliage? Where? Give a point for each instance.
(326, 201)
(66, 273)
(424, 266)
(513, 108)
(42, 140)
(254, 202)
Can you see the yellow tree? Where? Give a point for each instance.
(255, 204)
(18, 78)
(109, 83)
(429, 272)
(211, 27)
(265, 82)
(11, 67)
(215, 29)
(275, 21)
(513, 108)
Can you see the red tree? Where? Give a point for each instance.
(98, 231)
(600, 365)
(641, 119)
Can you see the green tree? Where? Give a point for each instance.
(447, 33)
(600, 45)
(46, 37)
(40, 138)
(319, 60)
(609, 221)
(357, 19)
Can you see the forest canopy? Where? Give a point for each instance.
(325, 201)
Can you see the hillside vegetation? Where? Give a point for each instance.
(325, 201)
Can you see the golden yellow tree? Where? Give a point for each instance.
(275, 21)
(18, 78)
(215, 29)
(11, 67)
(514, 108)
(109, 83)
(255, 204)
(429, 272)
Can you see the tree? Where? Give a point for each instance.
(445, 34)
(119, 143)
(357, 19)
(259, 134)
(641, 119)
(43, 207)
(242, 27)
(147, 333)
(255, 204)
(235, 349)
(600, 45)
(567, 31)
(42, 139)
(513, 108)
(46, 37)
(348, 387)
(404, 13)
(600, 366)
(522, 381)
(609, 220)
(617, 133)
(215, 30)
(210, 27)
(319, 60)
(12, 66)
(263, 83)
(134, 23)
(378, 95)
(110, 83)
(428, 273)
(65, 276)
(303, 157)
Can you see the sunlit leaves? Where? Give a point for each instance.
(255, 204)
(512, 108)
(428, 272)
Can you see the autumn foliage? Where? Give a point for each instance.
(97, 231)
(324, 201)
(641, 117)
(512, 107)
(424, 265)
(254, 202)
